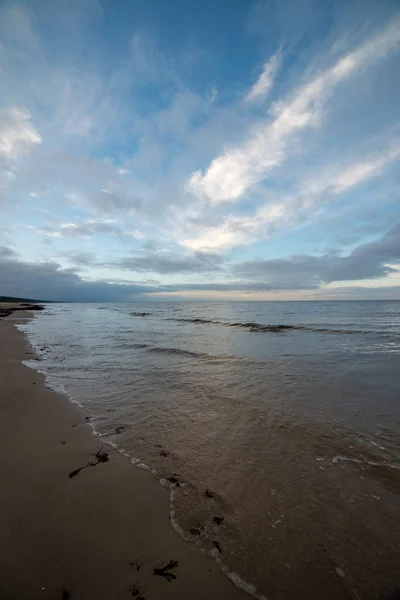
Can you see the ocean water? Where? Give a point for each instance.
(274, 424)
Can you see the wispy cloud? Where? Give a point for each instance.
(265, 82)
(85, 229)
(236, 171)
(292, 209)
(17, 137)
(17, 132)
(148, 63)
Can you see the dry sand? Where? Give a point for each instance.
(98, 535)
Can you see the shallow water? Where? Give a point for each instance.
(286, 412)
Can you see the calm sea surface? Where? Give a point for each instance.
(286, 413)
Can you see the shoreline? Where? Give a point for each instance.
(98, 534)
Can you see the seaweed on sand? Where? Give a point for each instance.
(166, 570)
(101, 456)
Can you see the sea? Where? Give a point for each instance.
(275, 427)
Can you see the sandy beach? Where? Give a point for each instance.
(99, 534)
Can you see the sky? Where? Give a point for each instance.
(202, 150)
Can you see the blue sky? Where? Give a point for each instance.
(200, 150)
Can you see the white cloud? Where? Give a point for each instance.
(290, 209)
(81, 229)
(231, 174)
(225, 235)
(17, 132)
(264, 83)
(358, 173)
(43, 231)
(138, 235)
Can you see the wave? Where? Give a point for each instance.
(340, 331)
(177, 351)
(140, 314)
(139, 346)
(261, 328)
(265, 328)
(194, 320)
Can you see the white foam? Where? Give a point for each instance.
(140, 465)
(240, 583)
(372, 463)
(50, 384)
(337, 460)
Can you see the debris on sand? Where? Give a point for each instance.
(218, 520)
(135, 591)
(172, 479)
(208, 494)
(73, 473)
(196, 531)
(217, 545)
(165, 571)
(101, 456)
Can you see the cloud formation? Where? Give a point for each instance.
(292, 209)
(86, 229)
(126, 152)
(164, 263)
(49, 281)
(234, 172)
(17, 132)
(17, 135)
(260, 90)
(373, 260)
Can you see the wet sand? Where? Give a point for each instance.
(100, 534)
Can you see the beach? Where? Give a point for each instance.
(266, 438)
(99, 534)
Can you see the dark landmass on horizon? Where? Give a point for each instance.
(14, 299)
